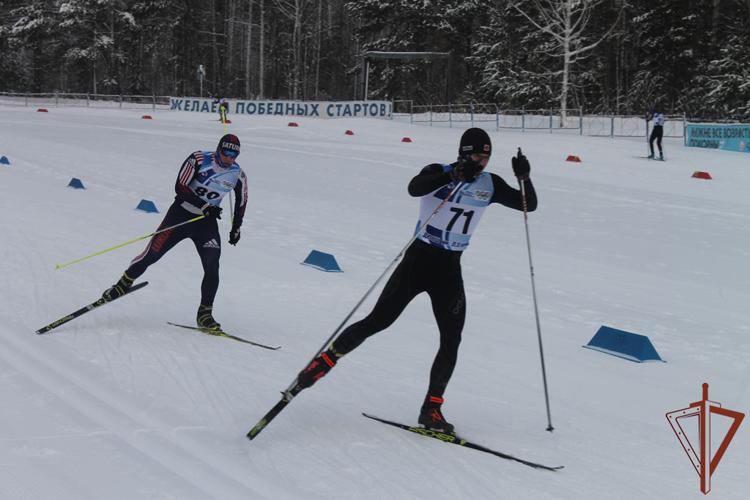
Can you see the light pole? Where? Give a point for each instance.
(201, 76)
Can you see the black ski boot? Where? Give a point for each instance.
(432, 418)
(205, 319)
(118, 289)
(318, 368)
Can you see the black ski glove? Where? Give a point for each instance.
(466, 170)
(521, 166)
(234, 235)
(212, 211)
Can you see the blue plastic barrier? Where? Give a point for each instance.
(147, 206)
(76, 183)
(623, 344)
(323, 261)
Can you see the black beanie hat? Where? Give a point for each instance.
(475, 140)
(230, 142)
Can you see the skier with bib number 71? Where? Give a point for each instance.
(432, 263)
(205, 177)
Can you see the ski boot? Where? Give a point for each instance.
(432, 418)
(118, 289)
(318, 368)
(205, 319)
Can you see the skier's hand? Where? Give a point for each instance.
(521, 166)
(466, 170)
(211, 211)
(234, 235)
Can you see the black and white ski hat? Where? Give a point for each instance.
(475, 140)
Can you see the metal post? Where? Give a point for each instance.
(612, 127)
(471, 113)
(684, 130)
(450, 117)
(497, 118)
(580, 120)
(550, 121)
(523, 120)
(367, 77)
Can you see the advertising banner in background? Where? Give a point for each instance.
(318, 109)
(728, 137)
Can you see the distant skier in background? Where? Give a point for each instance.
(202, 182)
(432, 263)
(223, 108)
(657, 133)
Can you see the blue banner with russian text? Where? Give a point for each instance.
(727, 137)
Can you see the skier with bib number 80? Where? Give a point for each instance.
(202, 182)
(432, 263)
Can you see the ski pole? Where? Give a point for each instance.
(533, 293)
(377, 281)
(60, 266)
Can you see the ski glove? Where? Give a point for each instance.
(211, 211)
(466, 170)
(234, 235)
(521, 166)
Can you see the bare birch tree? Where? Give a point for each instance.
(295, 11)
(566, 22)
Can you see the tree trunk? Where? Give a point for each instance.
(261, 58)
(566, 64)
(317, 47)
(248, 48)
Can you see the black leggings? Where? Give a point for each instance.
(425, 268)
(205, 236)
(657, 133)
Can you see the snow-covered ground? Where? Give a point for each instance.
(120, 405)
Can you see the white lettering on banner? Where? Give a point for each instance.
(380, 109)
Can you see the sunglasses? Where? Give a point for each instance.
(230, 153)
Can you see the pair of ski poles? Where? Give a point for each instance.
(419, 230)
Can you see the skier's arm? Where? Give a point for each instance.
(240, 195)
(186, 174)
(429, 179)
(511, 197)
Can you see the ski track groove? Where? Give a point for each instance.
(186, 459)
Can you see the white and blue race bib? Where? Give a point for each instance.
(452, 226)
